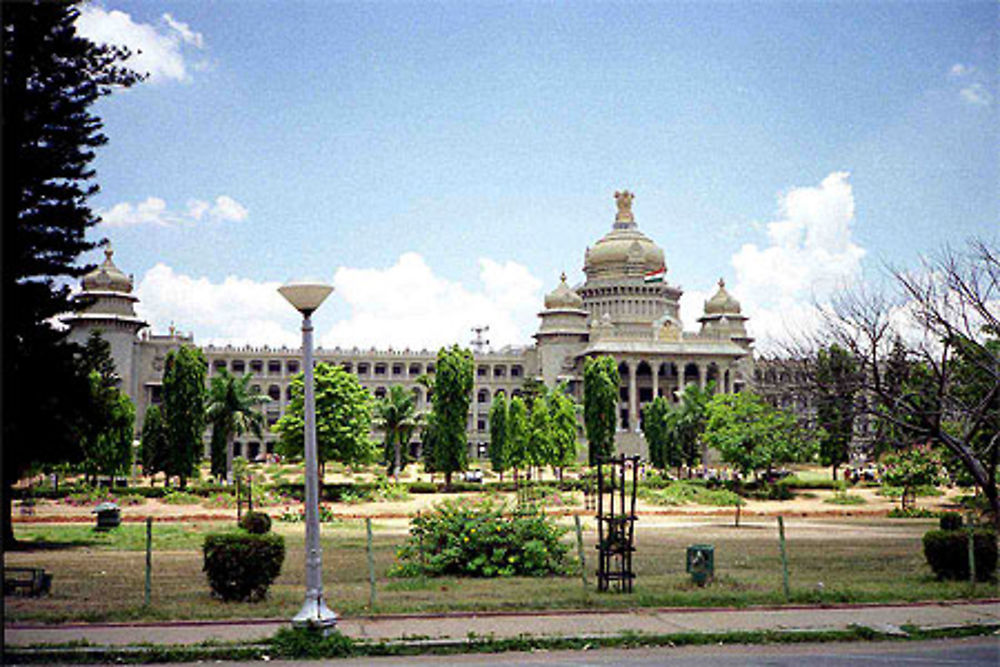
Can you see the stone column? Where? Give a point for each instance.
(656, 380)
(633, 398)
(702, 371)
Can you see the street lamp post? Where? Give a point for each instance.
(306, 298)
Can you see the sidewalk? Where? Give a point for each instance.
(458, 627)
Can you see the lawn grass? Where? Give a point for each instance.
(100, 576)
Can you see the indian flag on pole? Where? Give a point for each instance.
(657, 276)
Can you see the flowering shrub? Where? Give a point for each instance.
(290, 515)
(219, 501)
(181, 498)
(386, 490)
(480, 539)
(100, 495)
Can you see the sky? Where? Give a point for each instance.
(441, 164)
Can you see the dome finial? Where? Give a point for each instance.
(624, 200)
(722, 283)
(563, 277)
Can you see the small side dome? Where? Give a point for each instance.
(722, 303)
(563, 297)
(107, 277)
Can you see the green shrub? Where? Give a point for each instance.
(181, 498)
(766, 491)
(241, 565)
(306, 644)
(387, 490)
(679, 493)
(480, 539)
(257, 523)
(912, 513)
(951, 521)
(845, 498)
(794, 482)
(947, 552)
(422, 487)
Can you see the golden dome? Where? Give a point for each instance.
(563, 297)
(722, 303)
(107, 277)
(624, 250)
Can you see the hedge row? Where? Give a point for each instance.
(947, 552)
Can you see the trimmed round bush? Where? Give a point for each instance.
(947, 552)
(951, 521)
(241, 565)
(257, 523)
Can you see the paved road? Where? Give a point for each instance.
(540, 624)
(974, 652)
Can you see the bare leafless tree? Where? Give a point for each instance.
(945, 327)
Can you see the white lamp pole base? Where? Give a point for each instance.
(315, 615)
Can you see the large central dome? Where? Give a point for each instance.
(624, 251)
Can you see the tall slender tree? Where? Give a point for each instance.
(155, 445)
(106, 429)
(517, 434)
(499, 454)
(184, 410)
(51, 77)
(396, 416)
(233, 409)
(563, 411)
(600, 406)
(540, 451)
(659, 438)
(453, 381)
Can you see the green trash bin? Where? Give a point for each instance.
(109, 516)
(701, 563)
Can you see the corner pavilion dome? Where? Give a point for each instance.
(563, 297)
(107, 277)
(624, 251)
(722, 303)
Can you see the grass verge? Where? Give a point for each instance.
(303, 644)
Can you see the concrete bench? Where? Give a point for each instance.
(31, 581)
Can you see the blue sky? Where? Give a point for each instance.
(441, 164)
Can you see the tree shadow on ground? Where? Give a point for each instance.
(23, 546)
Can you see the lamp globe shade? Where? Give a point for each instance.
(305, 297)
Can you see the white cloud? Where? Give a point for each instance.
(184, 30)
(959, 70)
(406, 305)
(154, 211)
(976, 94)
(227, 209)
(810, 254)
(237, 311)
(159, 51)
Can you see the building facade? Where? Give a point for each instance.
(624, 308)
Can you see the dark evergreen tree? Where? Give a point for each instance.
(51, 77)
(155, 445)
(450, 400)
(836, 381)
(184, 397)
(498, 434)
(600, 406)
(106, 427)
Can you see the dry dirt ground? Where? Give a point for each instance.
(805, 504)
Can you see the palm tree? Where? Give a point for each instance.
(232, 408)
(396, 416)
